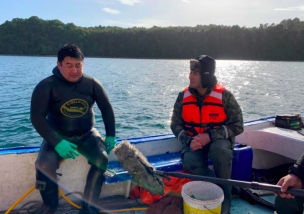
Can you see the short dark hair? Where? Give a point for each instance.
(70, 50)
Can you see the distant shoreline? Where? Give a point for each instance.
(43, 38)
(157, 58)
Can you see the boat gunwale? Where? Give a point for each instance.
(133, 140)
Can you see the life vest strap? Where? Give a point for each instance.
(204, 125)
(212, 104)
(191, 130)
(190, 103)
(203, 104)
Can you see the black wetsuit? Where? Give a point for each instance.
(64, 110)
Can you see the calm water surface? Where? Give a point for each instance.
(143, 92)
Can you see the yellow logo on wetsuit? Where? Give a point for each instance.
(74, 108)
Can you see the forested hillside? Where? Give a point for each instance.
(34, 36)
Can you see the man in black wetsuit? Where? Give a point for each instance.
(62, 113)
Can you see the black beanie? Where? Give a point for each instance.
(207, 69)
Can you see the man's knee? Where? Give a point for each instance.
(189, 167)
(221, 150)
(195, 163)
(48, 159)
(45, 165)
(101, 163)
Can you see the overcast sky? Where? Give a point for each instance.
(148, 13)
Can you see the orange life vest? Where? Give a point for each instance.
(210, 114)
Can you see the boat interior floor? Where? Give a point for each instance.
(239, 206)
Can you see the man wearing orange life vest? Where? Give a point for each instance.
(206, 118)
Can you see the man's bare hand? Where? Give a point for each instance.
(199, 141)
(289, 181)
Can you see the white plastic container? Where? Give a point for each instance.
(202, 198)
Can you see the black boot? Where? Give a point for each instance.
(87, 209)
(48, 190)
(44, 210)
(92, 190)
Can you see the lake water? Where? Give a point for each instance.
(143, 91)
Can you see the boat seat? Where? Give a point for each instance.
(284, 142)
(165, 162)
(171, 162)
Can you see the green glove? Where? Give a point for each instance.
(66, 149)
(110, 143)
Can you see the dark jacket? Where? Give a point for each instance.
(232, 109)
(298, 168)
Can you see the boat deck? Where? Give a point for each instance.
(239, 206)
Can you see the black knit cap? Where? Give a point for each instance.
(206, 65)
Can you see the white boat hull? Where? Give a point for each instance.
(271, 146)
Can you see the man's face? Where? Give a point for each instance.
(195, 79)
(71, 68)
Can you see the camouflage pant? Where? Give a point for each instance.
(221, 153)
(289, 205)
